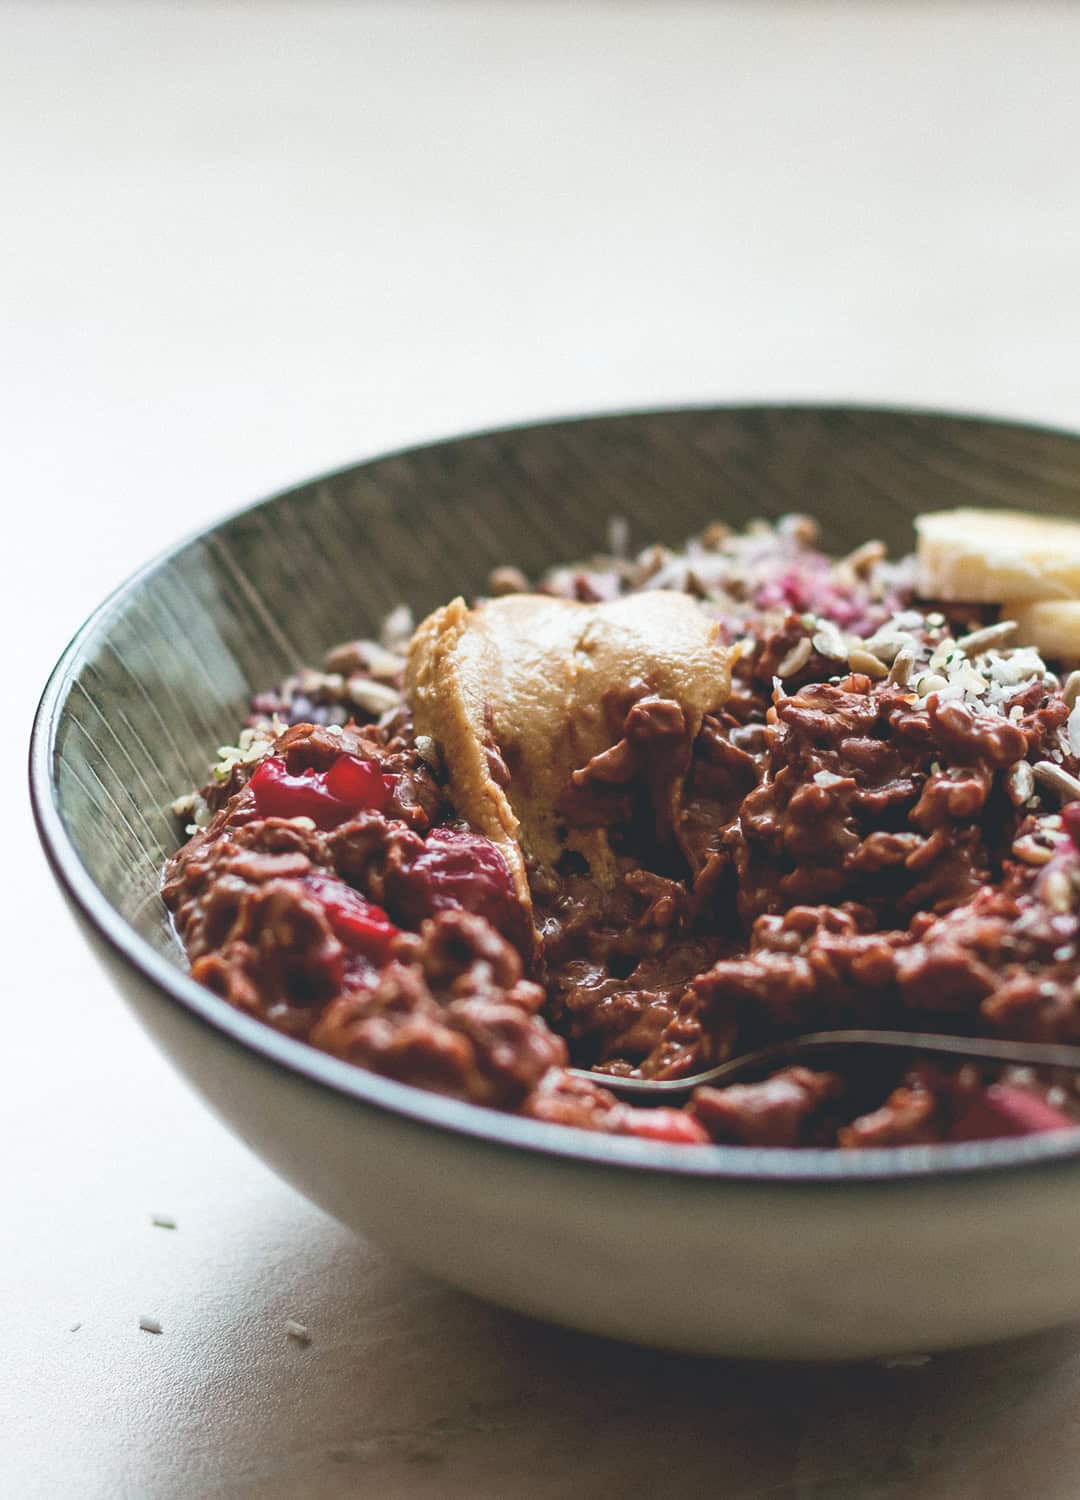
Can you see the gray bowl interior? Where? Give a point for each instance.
(162, 674)
(167, 671)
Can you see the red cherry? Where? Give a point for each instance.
(672, 1125)
(281, 795)
(326, 797)
(1070, 817)
(363, 927)
(360, 783)
(999, 1110)
(456, 869)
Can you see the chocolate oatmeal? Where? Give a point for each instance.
(654, 812)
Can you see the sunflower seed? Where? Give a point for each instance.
(1057, 779)
(618, 536)
(902, 668)
(796, 658)
(715, 535)
(829, 642)
(507, 580)
(863, 557)
(428, 750)
(1019, 783)
(866, 662)
(987, 638)
(397, 628)
(1031, 852)
(373, 697)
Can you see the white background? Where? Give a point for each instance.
(243, 242)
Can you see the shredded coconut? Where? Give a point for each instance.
(986, 681)
(254, 743)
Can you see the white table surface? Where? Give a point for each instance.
(243, 242)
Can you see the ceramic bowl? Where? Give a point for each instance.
(715, 1249)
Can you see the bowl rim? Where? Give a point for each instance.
(815, 1167)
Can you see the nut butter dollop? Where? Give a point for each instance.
(516, 695)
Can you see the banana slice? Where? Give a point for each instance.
(1052, 626)
(990, 555)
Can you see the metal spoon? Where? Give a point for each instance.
(817, 1045)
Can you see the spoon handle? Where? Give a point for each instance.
(813, 1045)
